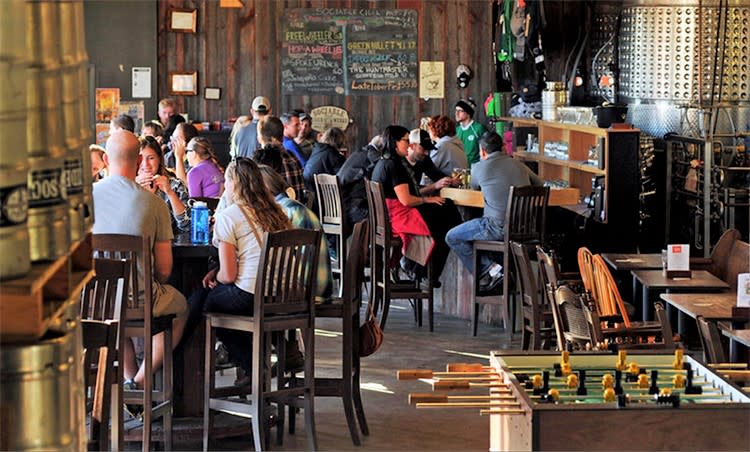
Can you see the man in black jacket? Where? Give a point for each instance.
(352, 176)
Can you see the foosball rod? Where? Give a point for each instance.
(501, 412)
(577, 367)
(425, 397)
(466, 404)
(463, 384)
(705, 390)
(639, 396)
(416, 374)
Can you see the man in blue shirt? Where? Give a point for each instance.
(291, 130)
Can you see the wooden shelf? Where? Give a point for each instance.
(560, 162)
(29, 304)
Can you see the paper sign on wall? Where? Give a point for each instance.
(678, 257)
(141, 82)
(431, 79)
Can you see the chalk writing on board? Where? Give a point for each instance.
(349, 51)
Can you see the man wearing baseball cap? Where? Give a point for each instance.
(468, 130)
(418, 156)
(247, 137)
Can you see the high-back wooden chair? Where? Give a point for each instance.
(524, 223)
(586, 267)
(332, 218)
(658, 336)
(606, 295)
(283, 301)
(103, 301)
(140, 322)
(713, 349)
(550, 279)
(537, 329)
(384, 245)
(574, 327)
(347, 309)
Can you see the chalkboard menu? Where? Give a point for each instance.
(349, 51)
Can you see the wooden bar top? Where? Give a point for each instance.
(473, 198)
(712, 306)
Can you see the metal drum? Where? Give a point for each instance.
(49, 223)
(37, 383)
(553, 96)
(14, 235)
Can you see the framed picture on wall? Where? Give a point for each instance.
(183, 20)
(212, 93)
(183, 83)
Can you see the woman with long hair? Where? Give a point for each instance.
(154, 177)
(238, 235)
(206, 176)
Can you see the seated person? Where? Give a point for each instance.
(352, 176)
(307, 136)
(174, 158)
(154, 177)
(414, 218)
(303, 218)
(121, 122)
(121, 206)
(238, 234)
(325, 157)
(206, 176)
(98, 167)
(449, 149)
(273, 154)
(494, 174)
(418, 157)
(153, 129)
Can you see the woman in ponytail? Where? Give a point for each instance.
(206, 176)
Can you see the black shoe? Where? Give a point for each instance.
(493, 283)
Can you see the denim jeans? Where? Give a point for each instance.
(226, 299)
(461, 237)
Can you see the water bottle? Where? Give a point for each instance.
(199, 220)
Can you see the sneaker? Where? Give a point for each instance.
(222, 354)
(493, 283)
(132, 409)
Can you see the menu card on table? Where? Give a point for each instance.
(743, 290)
(678, 261)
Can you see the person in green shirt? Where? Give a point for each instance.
(468, 130)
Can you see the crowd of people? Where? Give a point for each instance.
(145, 185)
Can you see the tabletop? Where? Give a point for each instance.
(183, 247)
(700, 279)
(741, 336)
(712, 306)
(632, 261)
(473, 198)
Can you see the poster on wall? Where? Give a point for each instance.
(333, 51)
(107, 103)
(102, 133)
(135, 109)
(432, 79)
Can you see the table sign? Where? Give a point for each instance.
(743, 290)
(678, 261)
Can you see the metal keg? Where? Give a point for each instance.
(49, 222)
(553, 96)
(37, 387)
(14, 234)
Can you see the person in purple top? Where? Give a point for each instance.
(206, 176)
(291, 130)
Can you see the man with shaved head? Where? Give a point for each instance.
(121, 206)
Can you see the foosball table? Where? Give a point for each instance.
(594, 401)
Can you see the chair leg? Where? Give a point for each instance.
(310, 430)
(148, 387)
(209, 383)
(475, 319)
(346, 376)
(167, 376)
(256, 396)
(356, 364)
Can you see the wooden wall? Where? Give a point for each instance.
(238, 50)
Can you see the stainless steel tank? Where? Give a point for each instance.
(49, 221)
(14, 204)
(681, 57)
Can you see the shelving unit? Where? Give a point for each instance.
(30, 304)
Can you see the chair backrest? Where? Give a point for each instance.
(549, 272)
(575, 329)
(667, 339)
(586, 267)
(606, 294)
(287, 273)
(331, 214)
(105, 295)
(527, 281)
(713, 350)
(355, 264)
(526, 213)
(136, 250)
(380, 223)
(738, 262)
(721, 252)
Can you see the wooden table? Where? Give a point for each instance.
(701, 281)
(736, 336)
(626, 262)
(473, 198)
(712, 306)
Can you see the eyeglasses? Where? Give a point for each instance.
(460, 110)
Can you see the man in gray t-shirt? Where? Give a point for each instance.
(121, 206)
(494, 174)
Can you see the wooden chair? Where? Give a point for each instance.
(537, 329)
(718, 263)
(384, 245)
(347, 309)
(631, 338)
(574, 327)
(524, 223)
(140, 322)
(606, 295)
(550, 279)
(713, 349)
(586, 267)
(103, 301)
(284, 301)
(331, 214)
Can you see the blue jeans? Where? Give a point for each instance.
(461, 237)
(226, 299)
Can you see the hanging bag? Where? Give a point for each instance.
(370, 334)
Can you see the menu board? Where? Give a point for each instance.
(349, 51)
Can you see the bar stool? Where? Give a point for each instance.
(331, 215)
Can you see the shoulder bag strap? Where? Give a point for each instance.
(252, 226)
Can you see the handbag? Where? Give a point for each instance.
(370, 334)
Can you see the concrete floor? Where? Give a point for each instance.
(393, 424)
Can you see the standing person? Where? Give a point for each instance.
(246, 139)
(238, 234)
(494, 175)
(270, 133)
(154, 177)
(352, 175)
(291, 130)
(469, 131)
(121, 206)
(449, 150)
(307, 136)
(407, 207)
(241, 122)
(167, 109)
(325, 158)
(206, 176)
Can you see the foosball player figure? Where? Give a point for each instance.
(607, 381)
(654, 388)
(621, 363)
(665, 396)
(572, 381)
(678, 381)
(690, 388)
(609, 395)
(633, 372)
(618, 382)
(643, 381)
(552, 396)
(539, 390)
(677, 363)
(582, 383)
